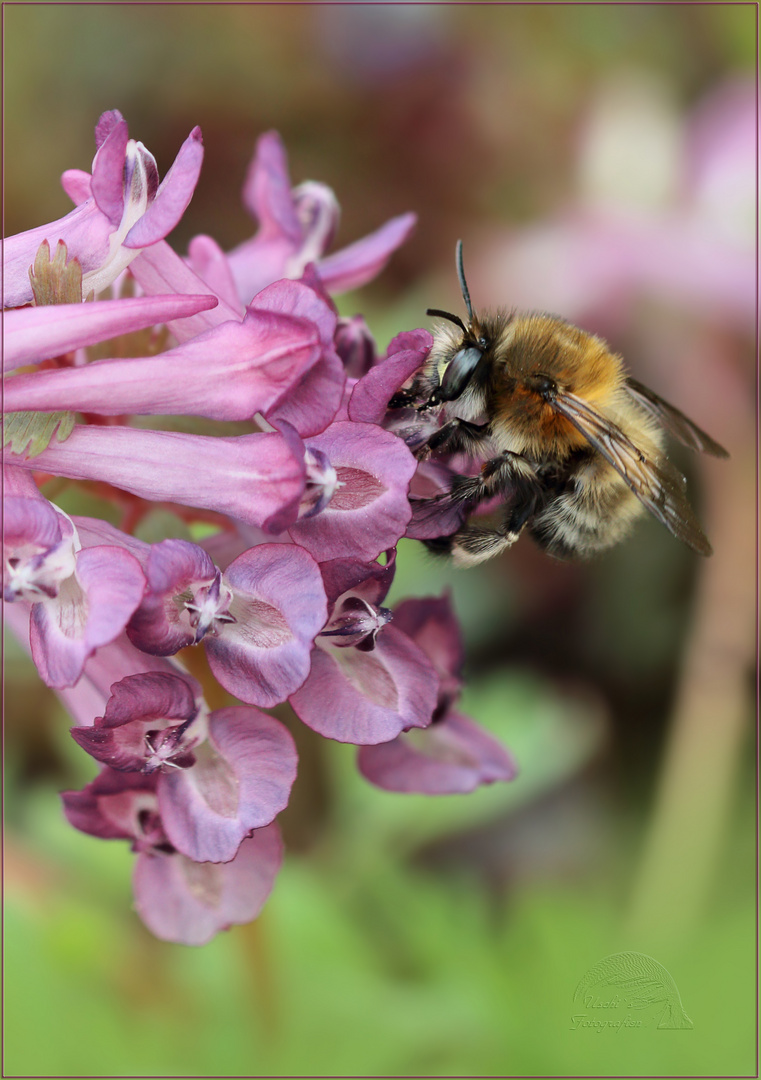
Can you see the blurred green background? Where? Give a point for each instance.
(595, 160)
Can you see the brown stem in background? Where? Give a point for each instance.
(692, 807)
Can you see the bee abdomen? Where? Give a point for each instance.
(586, 517)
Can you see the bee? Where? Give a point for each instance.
(573, 445)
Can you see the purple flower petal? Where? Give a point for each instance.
(433, 513)
(107, 121)
(32, 522)
(107, 184)
(158, 269)
(36, 334)
(85, 231)
(431, 623)
(241, 780)
(370, 397)
(312, 404)
(231, 372)
(279, 606)
(145, 725)
(370, 511)
(90, 611)
(188, 903)
(368, 697)
(356, 346)
(109, 665)
(267, 190)
(172, 198)
(77, 184)
(111, 806)
(208, 260)
(360, 262)
(451, 757)
(257, 478)
(176, 571)
(370, 581)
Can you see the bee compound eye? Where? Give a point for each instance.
(459, 372)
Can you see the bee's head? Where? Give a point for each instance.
(466, 350)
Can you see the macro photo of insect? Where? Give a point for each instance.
(573, 446)
(378, 482)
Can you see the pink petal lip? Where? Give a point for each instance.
(229, 373)
(280, 605)
(267, 189)
(451, 757)
(368, 697)
(370, 511)
(188, 903)
(35, 334)
(242, 784)
(360, 262)
(112, 583)
(372, 393)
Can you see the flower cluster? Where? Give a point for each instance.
(284, 589)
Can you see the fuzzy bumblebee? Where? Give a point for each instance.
(572, 444)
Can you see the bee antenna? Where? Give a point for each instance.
(463, 282)
(448, 315)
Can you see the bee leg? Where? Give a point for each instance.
(456, 436)
(508, 474)
(473, 545)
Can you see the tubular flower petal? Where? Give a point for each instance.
(257, 478)
(32, 335)
(230, 372)
(314, 399)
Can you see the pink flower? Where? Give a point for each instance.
(296, 227)
(122, 209)
(453, 755)
(368, 680)
(80, 600)
(286, 598)
(178, 898)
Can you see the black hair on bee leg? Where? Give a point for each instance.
(459, 435)
(439, 545)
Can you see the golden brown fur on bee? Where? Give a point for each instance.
(559, 397)
(595, 507)
(572, 444)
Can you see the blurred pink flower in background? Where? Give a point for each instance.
(663, 209)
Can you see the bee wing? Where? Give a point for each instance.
(657, 484)
(674, 421)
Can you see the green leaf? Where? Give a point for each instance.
(30, 433)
